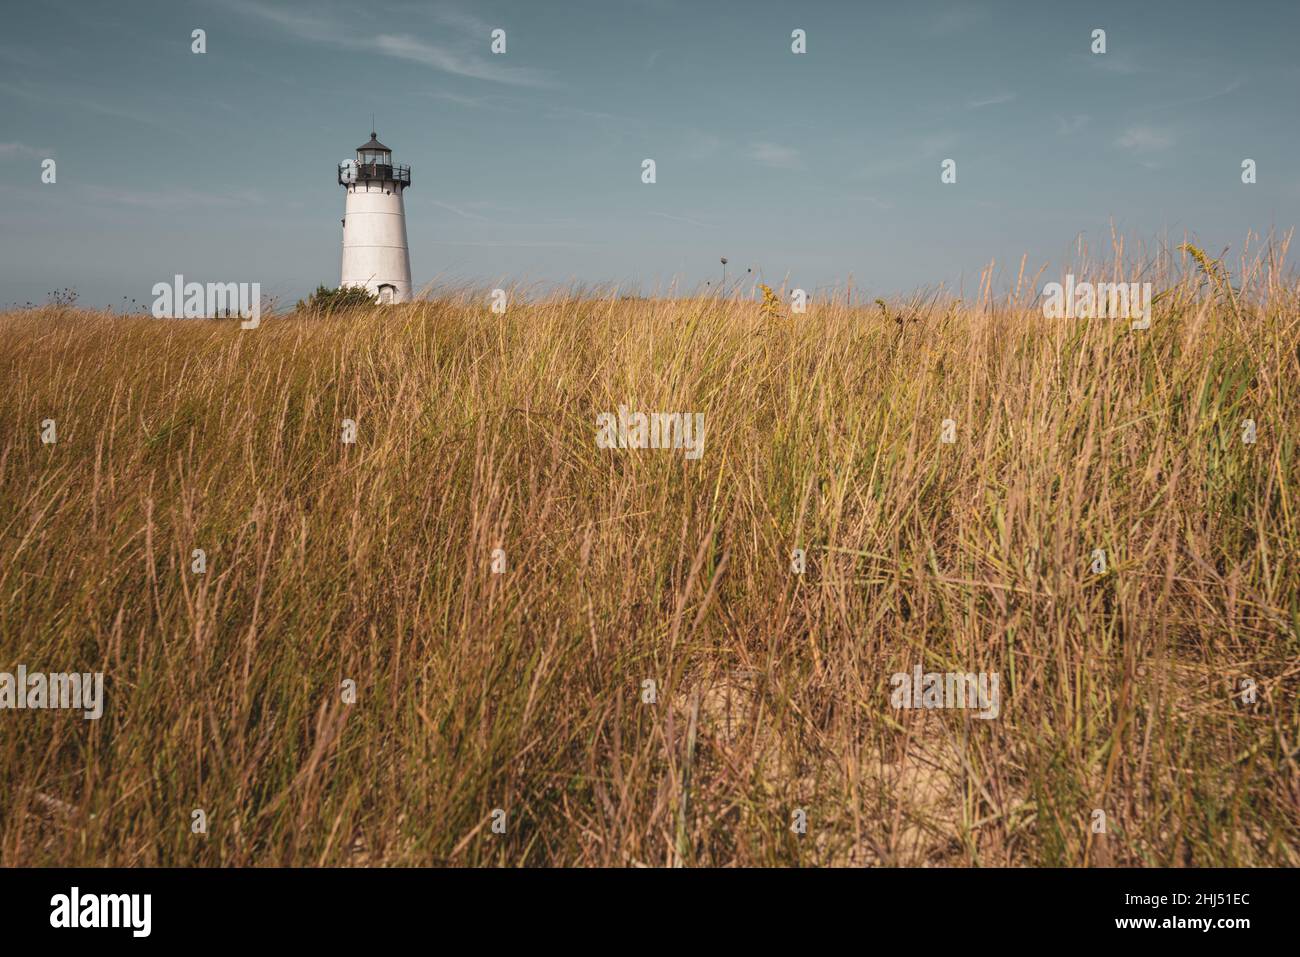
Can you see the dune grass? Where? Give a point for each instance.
(525, 690)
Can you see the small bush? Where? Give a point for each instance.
(325, 299)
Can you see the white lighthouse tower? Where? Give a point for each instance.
(374, 223)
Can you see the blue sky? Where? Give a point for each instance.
(526, 166)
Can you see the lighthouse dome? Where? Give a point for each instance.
(374, 164)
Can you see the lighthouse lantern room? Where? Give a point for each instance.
(374, 223)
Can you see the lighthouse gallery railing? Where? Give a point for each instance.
(377, 171)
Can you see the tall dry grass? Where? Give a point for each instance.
(523, 691)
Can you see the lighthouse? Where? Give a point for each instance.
(374, 223)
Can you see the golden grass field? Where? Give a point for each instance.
(523, 691)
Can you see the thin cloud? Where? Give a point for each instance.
(776, 155)
(905, 154)
(703, 146)
(997, 100)
(465, 22)
(473, 102)
(171, 199)
(468, 211)
(460, 212)
(684, 219)
(869, 200)
(958, 18)
(1145, 139)
(934, 143)
(80, 101)
(16, 150)
(1069, 125)
(495, 244)
(401, 46)
(1119, 62)
(597, 115)
(1231, 88)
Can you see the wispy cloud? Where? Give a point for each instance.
(905, 153)
(684, 219)
(1069, 125)
(582, 114)
(465, 22)
(404, 47)
(933, 144)
(776, 155)
(474, 212)
(490, 102)
(506, 243)
(997, 100)
(1227, 90)
(457, 60)
(21, 150)
(1145, 139)
(171, 199)
(957, 18)
(869, 200)
(1120, 62)
(703, 146)
(79, 100)
(460, 212)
